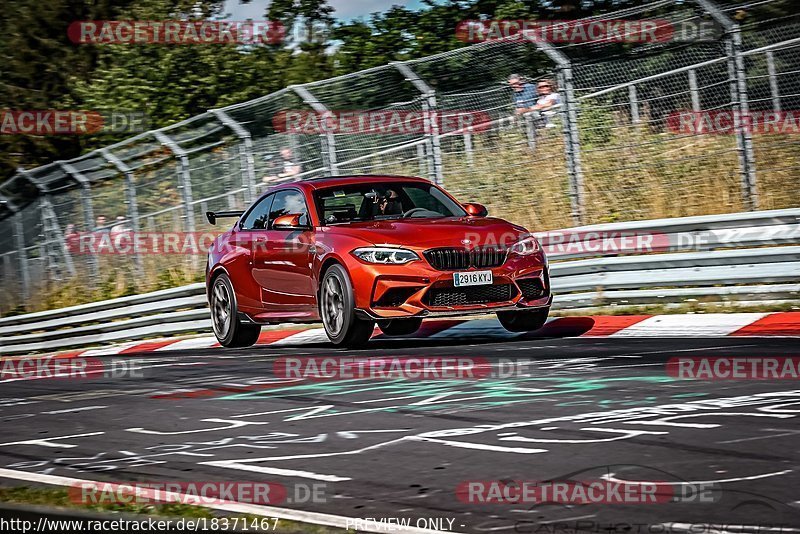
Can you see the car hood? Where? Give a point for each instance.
(427, 233)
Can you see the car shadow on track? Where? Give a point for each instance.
(449, 333)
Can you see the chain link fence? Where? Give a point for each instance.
(609, 152)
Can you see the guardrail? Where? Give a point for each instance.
(739, 258)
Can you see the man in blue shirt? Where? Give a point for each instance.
(524, 94)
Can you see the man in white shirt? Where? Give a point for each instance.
(288, 167)
(548, 98)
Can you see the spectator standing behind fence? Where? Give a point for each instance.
(548, 98)
(71, 237)
(286, 166)
(119, 226)
(100, 224)
(524, 94)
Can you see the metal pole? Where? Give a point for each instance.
(572, 142)
(468, 151)
(130, 201)
(421, 159)
(430, 158)
(185, 179)
(773, 82)
(88, 214)
(245, 153)
(22, 255)
(744, 139)
(633, 97)
(568, 154)
(431, 120)
(740, 103)
(53, 236)
(530, 130)
(694, 91)
(578, 207)
(327, 140)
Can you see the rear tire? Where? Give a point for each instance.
(337, 309)
(228, 329)
(523, 320)
(400, 327)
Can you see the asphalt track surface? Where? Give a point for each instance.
(393, 448)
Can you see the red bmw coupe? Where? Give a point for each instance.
(359, 250)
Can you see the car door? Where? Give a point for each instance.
(249, 236)
(283, 269)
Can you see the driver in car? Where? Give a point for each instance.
(390, 205)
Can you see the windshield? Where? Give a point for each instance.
(384, 201)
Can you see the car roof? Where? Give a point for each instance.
(334, 181)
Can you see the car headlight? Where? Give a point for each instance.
(526, 247)
(393, 256)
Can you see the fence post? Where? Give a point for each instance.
(185, 182)
(88, 213)
(130, 200)
(245, 153)
(54, 246)
(431, 121)
(572, 142)
(468, 150)
(773, 82)
(530, 130)
(327, 140)
(22, 253)
(633, 97)
(740, 103)
(422, 159)
(694, 91)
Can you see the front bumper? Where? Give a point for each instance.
(418, 290)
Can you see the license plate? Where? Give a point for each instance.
(474, 278)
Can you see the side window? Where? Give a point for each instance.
(258, 217)
(424, 199)
(288, 202)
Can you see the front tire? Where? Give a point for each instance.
(337, 309)
(228, 329)
(523, 320)
(400, 327)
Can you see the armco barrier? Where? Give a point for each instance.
(741, 258)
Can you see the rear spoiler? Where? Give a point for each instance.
(212, 216)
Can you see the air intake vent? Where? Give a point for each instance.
(464, 296)
(459, 259)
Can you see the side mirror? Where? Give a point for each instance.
(289, 222)
(475, 210)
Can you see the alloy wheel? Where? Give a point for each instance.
(221, 306)
(333, 305)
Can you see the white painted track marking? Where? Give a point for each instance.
(192, 343)
(697, 325)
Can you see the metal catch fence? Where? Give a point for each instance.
(617, 147)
